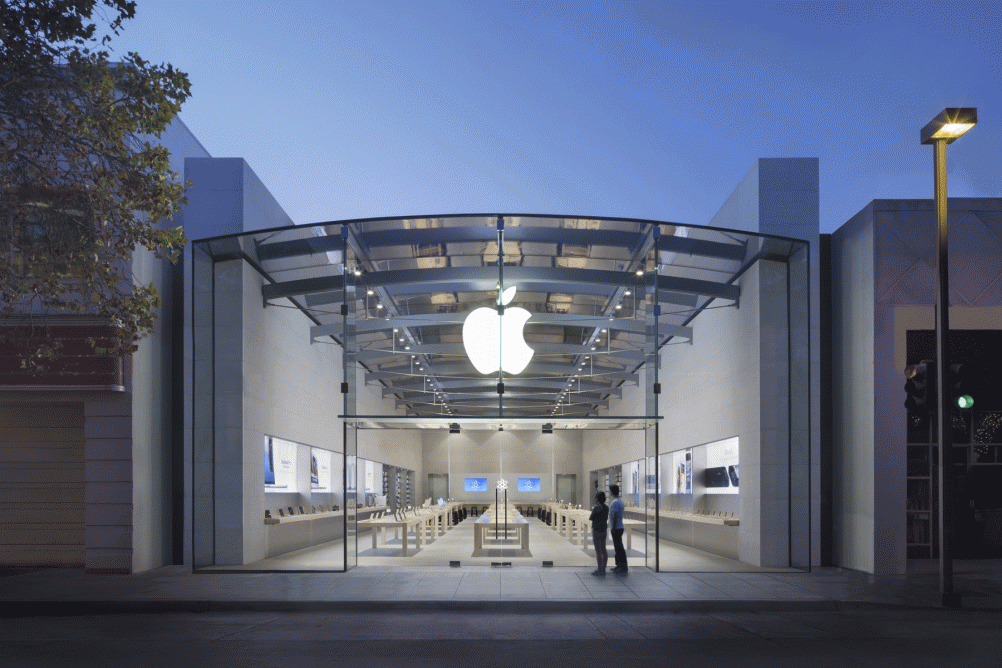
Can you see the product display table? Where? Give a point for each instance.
(415, 523)
(573, 523)
(498, 521)
(426, 523)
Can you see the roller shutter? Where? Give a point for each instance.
(42, 484)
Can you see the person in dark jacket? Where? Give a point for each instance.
(599, 524)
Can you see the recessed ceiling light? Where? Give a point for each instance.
(593, 347)
(379, 306)
(619, 306)
(358, 272)
(627, 293)
(640, 272)
(369, 291)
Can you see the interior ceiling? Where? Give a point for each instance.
(590, 285)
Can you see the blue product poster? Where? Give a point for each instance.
(314, 470)
(269, 462)
(475, 485)
(528, 485)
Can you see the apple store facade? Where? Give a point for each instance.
(455, 390)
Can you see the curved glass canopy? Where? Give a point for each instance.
(598, 297)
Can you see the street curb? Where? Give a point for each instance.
(81, 608)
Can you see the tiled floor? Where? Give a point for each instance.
(545, 544)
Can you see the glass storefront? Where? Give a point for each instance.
(532, 355)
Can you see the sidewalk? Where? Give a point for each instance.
(175, 588)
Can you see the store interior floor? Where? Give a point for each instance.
(545, 544)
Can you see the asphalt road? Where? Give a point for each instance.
(906, 638)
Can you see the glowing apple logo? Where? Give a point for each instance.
(495, 342)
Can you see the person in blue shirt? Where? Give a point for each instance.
(599, 521)
(616, 529)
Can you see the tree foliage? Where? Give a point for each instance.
(84, 183)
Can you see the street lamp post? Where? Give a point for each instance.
(941, 131)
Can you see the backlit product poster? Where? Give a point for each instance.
(369, 476)
(269, 461)
(630, 478)
(722, 472)
(680, 480)
(475, 485)
(320, 470)
(281, 455)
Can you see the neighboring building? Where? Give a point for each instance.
(86, 473)
(883, 268)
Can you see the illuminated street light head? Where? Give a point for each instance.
(950, 124)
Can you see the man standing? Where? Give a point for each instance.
(599, 520)
(616, 529)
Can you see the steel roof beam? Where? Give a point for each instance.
(447, 369)
(295, 247)
(415, 384)
(457, 350)
(488, 233)
(701, 247)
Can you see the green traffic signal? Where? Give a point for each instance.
(960, 385)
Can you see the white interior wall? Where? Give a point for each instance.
(602, 448)
(488, 454)
(395, 447)
(711, 391)
(292, 390)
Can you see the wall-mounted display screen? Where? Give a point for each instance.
(320, 470)
(528, 485)
(722, 473)
(475, 485)
(279, 465)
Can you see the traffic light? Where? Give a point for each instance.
(921, 387)
(960, 385)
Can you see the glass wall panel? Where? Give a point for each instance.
(697, 337)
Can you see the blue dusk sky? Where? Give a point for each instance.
(644, 110)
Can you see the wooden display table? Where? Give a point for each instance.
(413, 522)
